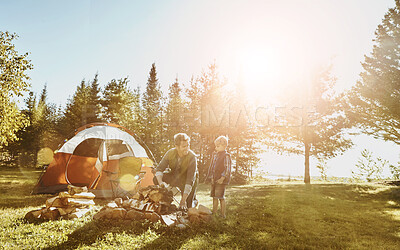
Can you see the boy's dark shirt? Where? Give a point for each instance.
(220, 166)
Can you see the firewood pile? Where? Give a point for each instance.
(155, 204)
(74, 203)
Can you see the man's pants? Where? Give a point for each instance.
(191, 200)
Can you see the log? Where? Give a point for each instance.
(112, 205)
(50, 213)
(206, 217)
(181, 226)
(204, 210)
(169, 219)
(66, 210)
(33, 215)
(83, 195)
(156, 196)
(153, 217)
(55, 202)
(102, 214)
(78, 202)
(134, 215)
(79, 213)
(75, 189)
(118, 201)
(194, 219)
(117, 213)
(193, 211)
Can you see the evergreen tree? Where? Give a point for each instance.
(373, 103)
(310, 124)
(209, 114)
(40, 132)
(82, 108)
(175, 112)
(152, 104)
(93, 110)
(119, 103)
(13, 83)
(245, 138)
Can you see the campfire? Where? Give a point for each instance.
(155, 204)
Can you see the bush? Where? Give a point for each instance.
(238, 178)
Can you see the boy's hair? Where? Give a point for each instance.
(222, 140)
(178, 138)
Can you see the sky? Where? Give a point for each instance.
(262, 42)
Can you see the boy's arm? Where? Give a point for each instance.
(227, 169)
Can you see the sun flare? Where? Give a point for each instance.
(260, 69)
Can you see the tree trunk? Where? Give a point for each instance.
(307, 163)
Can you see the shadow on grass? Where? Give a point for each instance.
(297, 216)
(18, 196)
(269, 216)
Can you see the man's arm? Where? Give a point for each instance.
(190, 179)
(164, 163)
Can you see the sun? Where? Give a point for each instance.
(260, 69)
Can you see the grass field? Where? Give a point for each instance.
(261, 215)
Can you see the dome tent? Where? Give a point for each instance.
(93, 157)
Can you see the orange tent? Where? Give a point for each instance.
(95, 155)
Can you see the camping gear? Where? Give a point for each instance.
(95, 157)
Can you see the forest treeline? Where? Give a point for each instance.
(310, 119)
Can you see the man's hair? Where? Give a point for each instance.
(222, 140)
(178, 138)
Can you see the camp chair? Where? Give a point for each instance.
(128, 178)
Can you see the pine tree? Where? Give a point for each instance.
(208, 113)
(175, 112)
(84, 107)
(152, 104)
(373, 103)
(119, 103)
(39, 134)
(310, 124)
(245, 138)
(93, 110)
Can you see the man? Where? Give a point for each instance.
(183, 172)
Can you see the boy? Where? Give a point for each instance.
(219, 173)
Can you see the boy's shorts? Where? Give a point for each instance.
(218, 191)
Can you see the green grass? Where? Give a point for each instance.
(281, 215)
